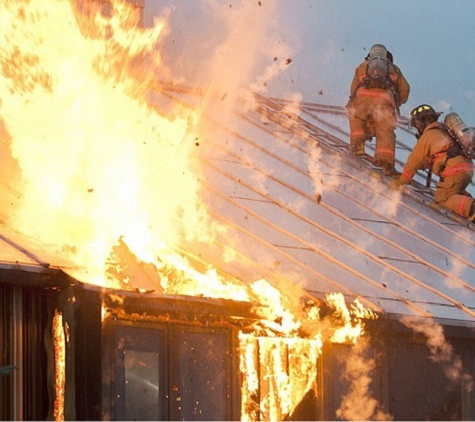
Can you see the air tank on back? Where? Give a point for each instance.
(464, 134)
(378, 61)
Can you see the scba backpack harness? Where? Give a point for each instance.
(377, 70)
(463, 135)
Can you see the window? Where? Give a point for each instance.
(171, 372)
(200, 387)
(139, 374)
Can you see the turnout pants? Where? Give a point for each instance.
(451, 191)
(360, 111)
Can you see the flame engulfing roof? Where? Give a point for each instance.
(297, 209)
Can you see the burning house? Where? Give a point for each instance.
(169, 253)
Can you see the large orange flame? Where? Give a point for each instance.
(98, 164)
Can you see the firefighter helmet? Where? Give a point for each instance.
(423, 110)
(423, 115)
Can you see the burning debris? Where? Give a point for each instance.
(59, 341)
(279, 360)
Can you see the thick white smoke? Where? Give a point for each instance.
(358, 404)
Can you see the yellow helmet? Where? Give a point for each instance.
(419, 113)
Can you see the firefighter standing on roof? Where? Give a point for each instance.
(437, 151)
(375, 97)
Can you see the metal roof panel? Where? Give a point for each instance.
(297, 207)
(397, 251)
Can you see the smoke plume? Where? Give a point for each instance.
(440, 350)
(358, 403)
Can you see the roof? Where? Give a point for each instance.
(297, 208)
(20, 252)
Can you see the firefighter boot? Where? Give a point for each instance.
(390, 170)
(357, 149)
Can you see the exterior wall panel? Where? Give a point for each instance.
(24, 318)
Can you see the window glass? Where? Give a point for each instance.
(142, 390)
(139, 374)
(201, 391)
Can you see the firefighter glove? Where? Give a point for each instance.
(397, 183)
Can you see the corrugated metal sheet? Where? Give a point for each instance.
(18, 252)
(400, 254)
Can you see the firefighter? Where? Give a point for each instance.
(438, 152)
(374, 106)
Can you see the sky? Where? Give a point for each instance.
(431, 40)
